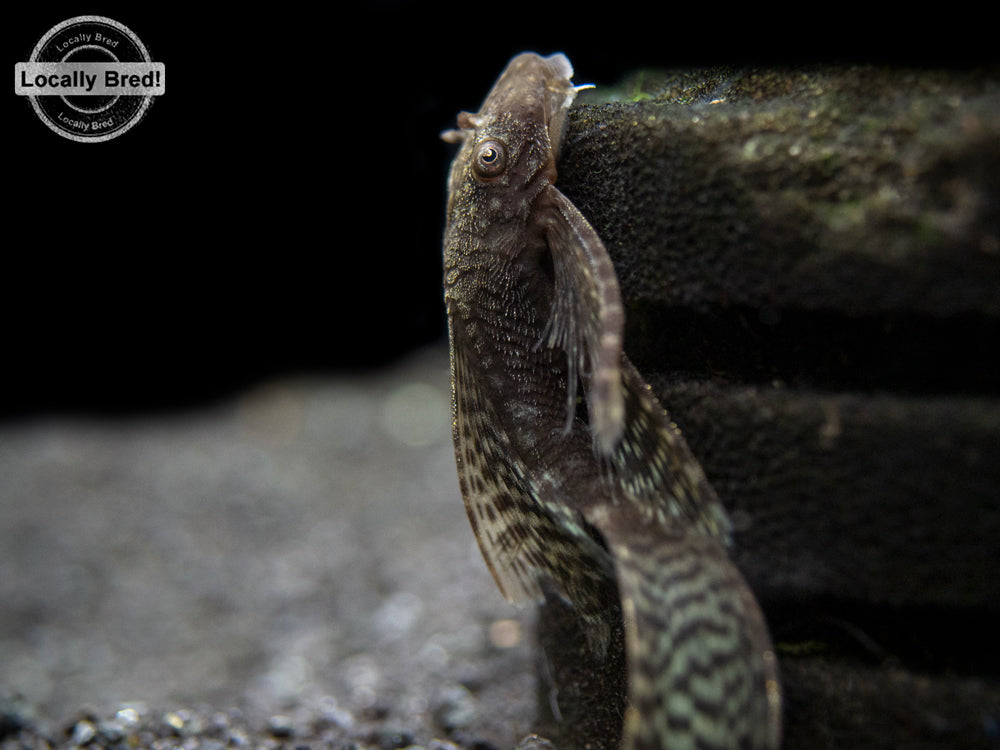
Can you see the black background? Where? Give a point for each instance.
(280, 208)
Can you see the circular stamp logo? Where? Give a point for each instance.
(90, 79)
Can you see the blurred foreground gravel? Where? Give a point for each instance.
(292, 567)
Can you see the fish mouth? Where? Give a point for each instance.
(559, 66)
(560, 93)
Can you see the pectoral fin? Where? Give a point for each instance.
(587, 319)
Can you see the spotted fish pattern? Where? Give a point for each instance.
(574, 478)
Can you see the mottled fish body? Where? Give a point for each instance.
(573, 476)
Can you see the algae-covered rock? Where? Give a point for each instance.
(861, 190)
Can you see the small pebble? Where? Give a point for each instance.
(280, 726)
(238, 737)
(388, 738)
(534, 742)
(83, 732)
(455, 709)
(174, 721)
(111, 731)
(128, 717)
(333, 715)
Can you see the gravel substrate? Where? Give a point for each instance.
(291, 567)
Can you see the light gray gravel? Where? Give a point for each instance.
(296, 559)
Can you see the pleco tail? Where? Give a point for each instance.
(702, 671)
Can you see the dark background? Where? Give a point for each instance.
(280, 208)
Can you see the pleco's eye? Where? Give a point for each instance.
(490, 159)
